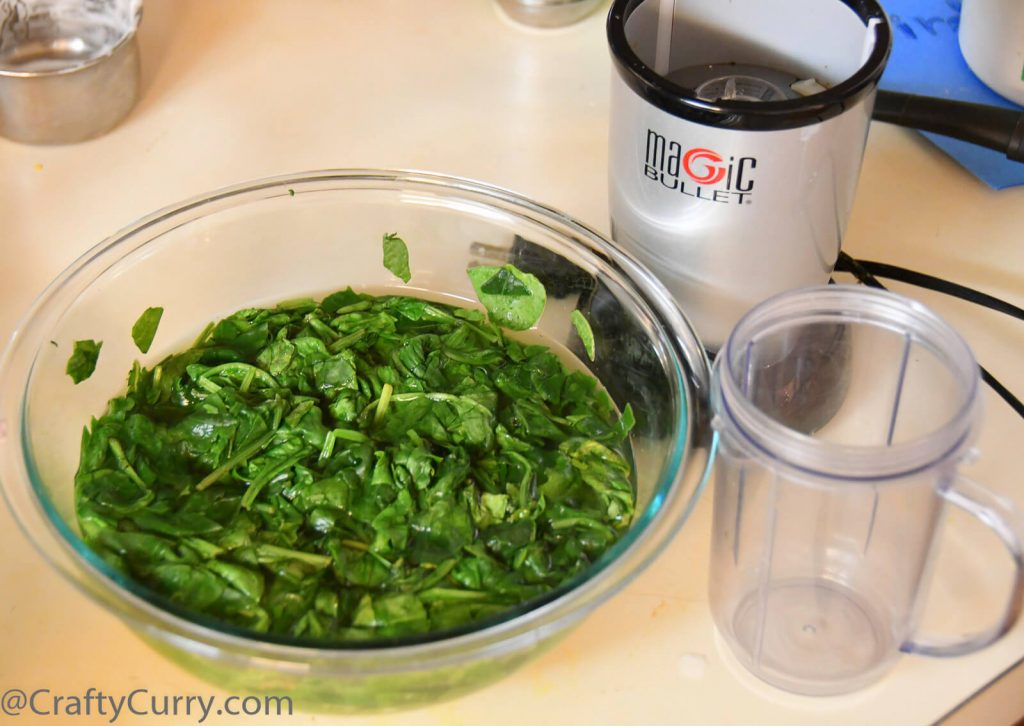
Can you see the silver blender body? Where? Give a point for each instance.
(728, 181)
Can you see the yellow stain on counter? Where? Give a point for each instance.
(38, 166)
(659, 609)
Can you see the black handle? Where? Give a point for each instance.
(997, 128)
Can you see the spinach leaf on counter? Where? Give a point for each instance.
(362, 467)
(514, 299)
(145, 327)
(83, 359)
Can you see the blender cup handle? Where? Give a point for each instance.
(1001, 516)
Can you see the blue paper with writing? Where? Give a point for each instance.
(926, 60)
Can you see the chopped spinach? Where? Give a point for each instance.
(362, 467)
(145, 327)
(83, 359)
(514, 299)
(396, 257)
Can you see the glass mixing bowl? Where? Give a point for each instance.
(310, 234)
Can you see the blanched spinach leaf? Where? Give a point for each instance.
(514, 299)
(584, 331)
(145, 327)
(396, 257)
(83, 359)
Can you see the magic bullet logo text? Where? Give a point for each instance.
(698, 172)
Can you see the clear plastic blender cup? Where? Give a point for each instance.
(843, 414)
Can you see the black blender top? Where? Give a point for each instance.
(745, 98)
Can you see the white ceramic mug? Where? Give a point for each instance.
(992, 41)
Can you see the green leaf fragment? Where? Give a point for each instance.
(83, 359)
(584, 331)
(145, 328)
(396, 257)
(513, 299)
(505, 283)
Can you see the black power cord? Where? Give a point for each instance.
(867, 273)
(902, 274)
(994, 127)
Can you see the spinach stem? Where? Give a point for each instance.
(269, 552)
(435, 594)
(297, 303)
(328, 448)
(346, 341)
(207, 385)
(382, 402)
(239, 458)
(353, 308)
(524, 490)
(438, 574)
(122, 462)
(581, 522)
(350, 435)
(247, 381)
(238, 369)
(266, 477)
(322, 328)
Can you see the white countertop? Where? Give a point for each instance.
(238, 89)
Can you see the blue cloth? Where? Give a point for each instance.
(926, 60)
